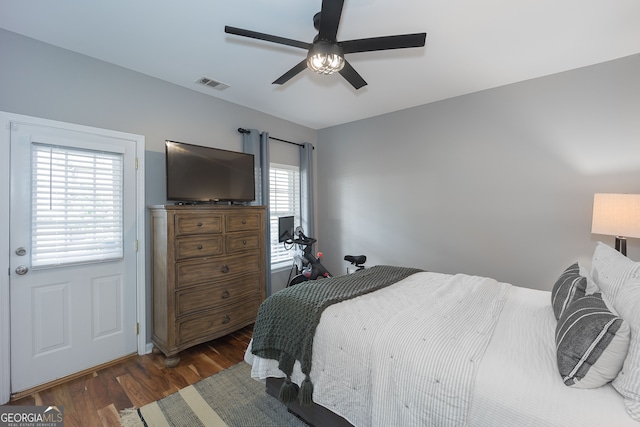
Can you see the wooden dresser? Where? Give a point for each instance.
(208, 273)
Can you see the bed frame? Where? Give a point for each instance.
(314, 415)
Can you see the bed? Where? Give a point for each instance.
(436, 349)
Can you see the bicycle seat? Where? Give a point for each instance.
(356, 259)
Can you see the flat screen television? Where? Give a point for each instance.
(204, 174)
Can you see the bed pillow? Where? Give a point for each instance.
(591, 343)
(610, 269)
(619, 279)
(585, 271)
(569, 287)
(627, 383)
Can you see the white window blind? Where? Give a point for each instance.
(284, 193)
(76, 206)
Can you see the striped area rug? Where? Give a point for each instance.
(229, 398)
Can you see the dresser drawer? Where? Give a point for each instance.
(243, 221)
(197, 223)
(200, 326)
(203, 270)
(197, 298)
(239, 242)
(198, 246)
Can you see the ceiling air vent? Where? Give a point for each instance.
(212, 83)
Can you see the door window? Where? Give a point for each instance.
(76, 206)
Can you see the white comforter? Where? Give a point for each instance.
(442, 350)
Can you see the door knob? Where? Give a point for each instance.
(22, 269)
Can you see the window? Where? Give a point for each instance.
(284, 188)
(76, 207)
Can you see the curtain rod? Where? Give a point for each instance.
(241, 130)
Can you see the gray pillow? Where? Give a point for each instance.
(569, 287)
(591, 343)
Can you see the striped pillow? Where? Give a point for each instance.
(569, 287)
(591, 343)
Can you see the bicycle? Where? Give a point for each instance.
(308, 266)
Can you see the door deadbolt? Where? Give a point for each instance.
(21, 251)
(22, 270)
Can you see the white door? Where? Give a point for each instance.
(72, 252)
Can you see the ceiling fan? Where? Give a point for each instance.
(326, 54)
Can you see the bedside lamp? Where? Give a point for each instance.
(617, 215)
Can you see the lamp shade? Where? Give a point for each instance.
(616, 215)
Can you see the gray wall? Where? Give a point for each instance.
(41, 80)
(498, 183)
(45, 81)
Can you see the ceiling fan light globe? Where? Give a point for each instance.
(325, 57)
(325, 63)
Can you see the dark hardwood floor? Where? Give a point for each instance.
(97, 398)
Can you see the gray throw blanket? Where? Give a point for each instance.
(287, 320)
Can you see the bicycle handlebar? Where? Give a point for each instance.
(302, 240)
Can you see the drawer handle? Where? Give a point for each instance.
(199, 247)
(199, 224)
(244, 242)
(244, 221)
(224, 269)
(226, 319)
(225, 294)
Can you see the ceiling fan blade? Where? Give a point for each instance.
(330, 19)
(291, 73)
(352, 76)
(384, 43)
(266, 37)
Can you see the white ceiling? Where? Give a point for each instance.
(471, 45)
